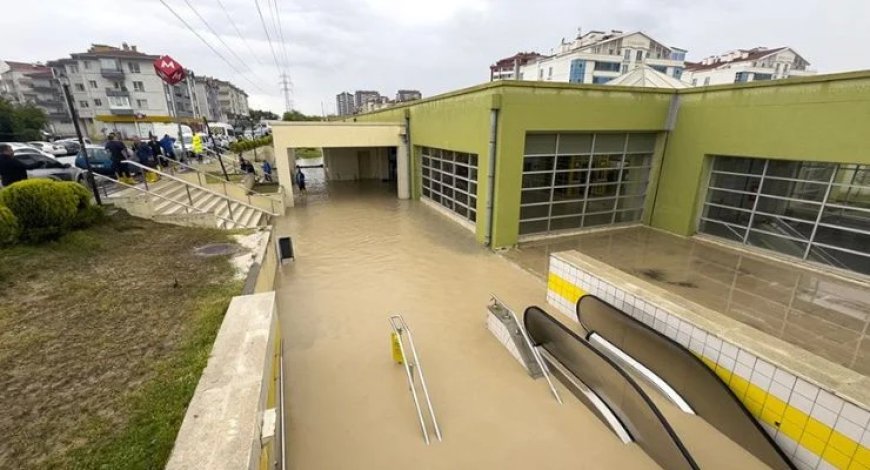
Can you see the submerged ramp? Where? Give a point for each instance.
(699, 386)
(625, 399)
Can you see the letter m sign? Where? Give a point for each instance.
(169, 70)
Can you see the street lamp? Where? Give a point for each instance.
(64, 83)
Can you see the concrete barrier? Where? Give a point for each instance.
(232, 420)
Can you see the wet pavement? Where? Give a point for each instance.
(824, 314)
(363, 255)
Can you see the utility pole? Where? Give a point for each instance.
(64, 82)
(287, 87)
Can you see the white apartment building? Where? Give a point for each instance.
(598, 57)
(25, 83)
(747, 65)
(233, 102)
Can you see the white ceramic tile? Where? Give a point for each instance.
(710, 353)
(686, 327)
(727, 362)
(662, 315)
(745, 372)
(764, 367)
(780, 391)
(771, 431)
(800, 402)
(671, 332)
(803, 466)
(806, 456)
(696, 346)
(714, 342)
(744, 357)
(784, 378)
(806, 389)
(856, 415)
(699, 334)
(683, 338)
(830, 401)
(787, 445)
(825, 465)
(824, 415)
(729, 350)
(760, 380)
(659, 325)
(848, 428)
(865, 440)
(673, 321)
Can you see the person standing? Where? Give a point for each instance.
(117, 153)
(300, 179)
(156, 150)
(11, 170)
(167, 143)
(267, 171)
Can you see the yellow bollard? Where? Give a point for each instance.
(397, 348)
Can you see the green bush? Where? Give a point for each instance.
(87, 213)
(45, 209)
(10, 229)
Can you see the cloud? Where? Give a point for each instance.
(431, 45)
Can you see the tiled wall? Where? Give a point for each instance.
(501, 333)
(813, 426)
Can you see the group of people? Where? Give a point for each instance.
(150, 153)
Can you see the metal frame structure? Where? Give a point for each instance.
(401, 329)
(624, 206)
(733, 203)
(441, 176)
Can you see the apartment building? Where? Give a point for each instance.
(598, 57)
(207, 97)
(509, 67)
(344, 104)
(26, 83)
(233, 101)
(408, 95)
(747, 65)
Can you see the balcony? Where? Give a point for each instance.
(112, 73)
(121, 111)
(117, 92)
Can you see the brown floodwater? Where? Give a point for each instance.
(363, 255)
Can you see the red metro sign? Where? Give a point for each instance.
(169, 70)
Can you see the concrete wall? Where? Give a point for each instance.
(822, 118)
(355, 163)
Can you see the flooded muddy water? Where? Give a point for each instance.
(363, 255)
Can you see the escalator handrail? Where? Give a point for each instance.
(686, 392)
(689, 461)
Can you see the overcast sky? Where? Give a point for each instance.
(434, 46)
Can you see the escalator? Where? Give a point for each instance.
(680, 413)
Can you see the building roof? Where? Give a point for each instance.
(740, 55)
(647, 77)
(522, 57)
(102, 50)
(26, 67)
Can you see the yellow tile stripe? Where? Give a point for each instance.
(817, 437)
(564, 288)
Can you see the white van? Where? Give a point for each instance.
(160, 129)
(223, 133)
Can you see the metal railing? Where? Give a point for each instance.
(202, 178)
(535, 353)
(188, 208)
(400, 328)
(229, 200)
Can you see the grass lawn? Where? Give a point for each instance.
(103, 337)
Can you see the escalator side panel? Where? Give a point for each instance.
(622, 395)
(702, 389)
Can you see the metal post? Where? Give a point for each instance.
(75, 119)
(190, 199)
(217, 149)
(177, 121)
(230, 209)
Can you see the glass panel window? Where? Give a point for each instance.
(450, 179)
(810, 210)
(576, 180)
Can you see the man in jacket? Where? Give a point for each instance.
(167, 144)
(156, 150)
(11, 170)
(118, 153)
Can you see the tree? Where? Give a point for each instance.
(258, 115)
(21, 122)
(298, 116)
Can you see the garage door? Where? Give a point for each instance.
(450, 179)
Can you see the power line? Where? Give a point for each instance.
(280, 29)
(185, 23)
(195, 12)
(235, 27)
(266, 30)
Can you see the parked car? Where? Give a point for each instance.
(54, 149)
(101, 161)
(42, 165)
(71, 145)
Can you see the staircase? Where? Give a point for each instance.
(176, 200)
